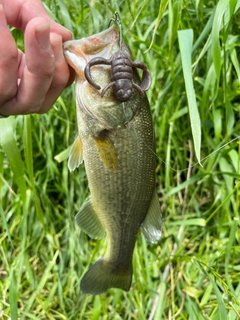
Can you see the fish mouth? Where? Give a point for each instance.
(79, 52)
(102, 39)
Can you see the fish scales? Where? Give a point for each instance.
(117, 141)
(127, 190)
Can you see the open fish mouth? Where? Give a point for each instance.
(79, 52)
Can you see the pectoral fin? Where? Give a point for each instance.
(107, 151)
(88, 221)
(152, 225)
(75, 154)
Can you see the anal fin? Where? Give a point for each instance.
(152, 225)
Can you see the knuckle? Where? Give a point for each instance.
(7, 92)
(30, 110)
(9, 59)
(44, 73)
(61, 79)
(8, 75)
(60, 82)
(42, 68)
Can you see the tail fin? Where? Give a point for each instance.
(102, 276)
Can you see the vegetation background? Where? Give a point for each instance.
(194, 270)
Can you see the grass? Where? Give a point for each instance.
(194, 270)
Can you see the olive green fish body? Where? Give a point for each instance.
(117, 145)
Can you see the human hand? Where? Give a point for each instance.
(31, 82)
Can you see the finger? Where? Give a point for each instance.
(8, 61)
(19, 13)
(38, 71)
(40, 66)
(61, 74)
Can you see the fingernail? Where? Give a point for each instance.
(42, 35)
(56, 42)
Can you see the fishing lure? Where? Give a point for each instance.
(122, 69)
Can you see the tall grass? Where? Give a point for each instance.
(194, 270)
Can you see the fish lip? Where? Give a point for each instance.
(86, 45)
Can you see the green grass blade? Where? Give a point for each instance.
(162, 8)
(63, 155)
(65, 14)
(27, 143)
(189, 222)
(4, 223)
(162, 292)
(185, 42)
(13, 296)
(182, 186)
(12, 152)
(217, 24)
(28, 152)
(43, 280)
(175, 10)
(222, 312)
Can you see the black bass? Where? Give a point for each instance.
(116, 141)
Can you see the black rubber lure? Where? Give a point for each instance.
(121, 75)
(122, 67)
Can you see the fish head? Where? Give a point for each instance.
(79, 52)
(105, 110)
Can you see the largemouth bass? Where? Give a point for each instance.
(116, 141)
